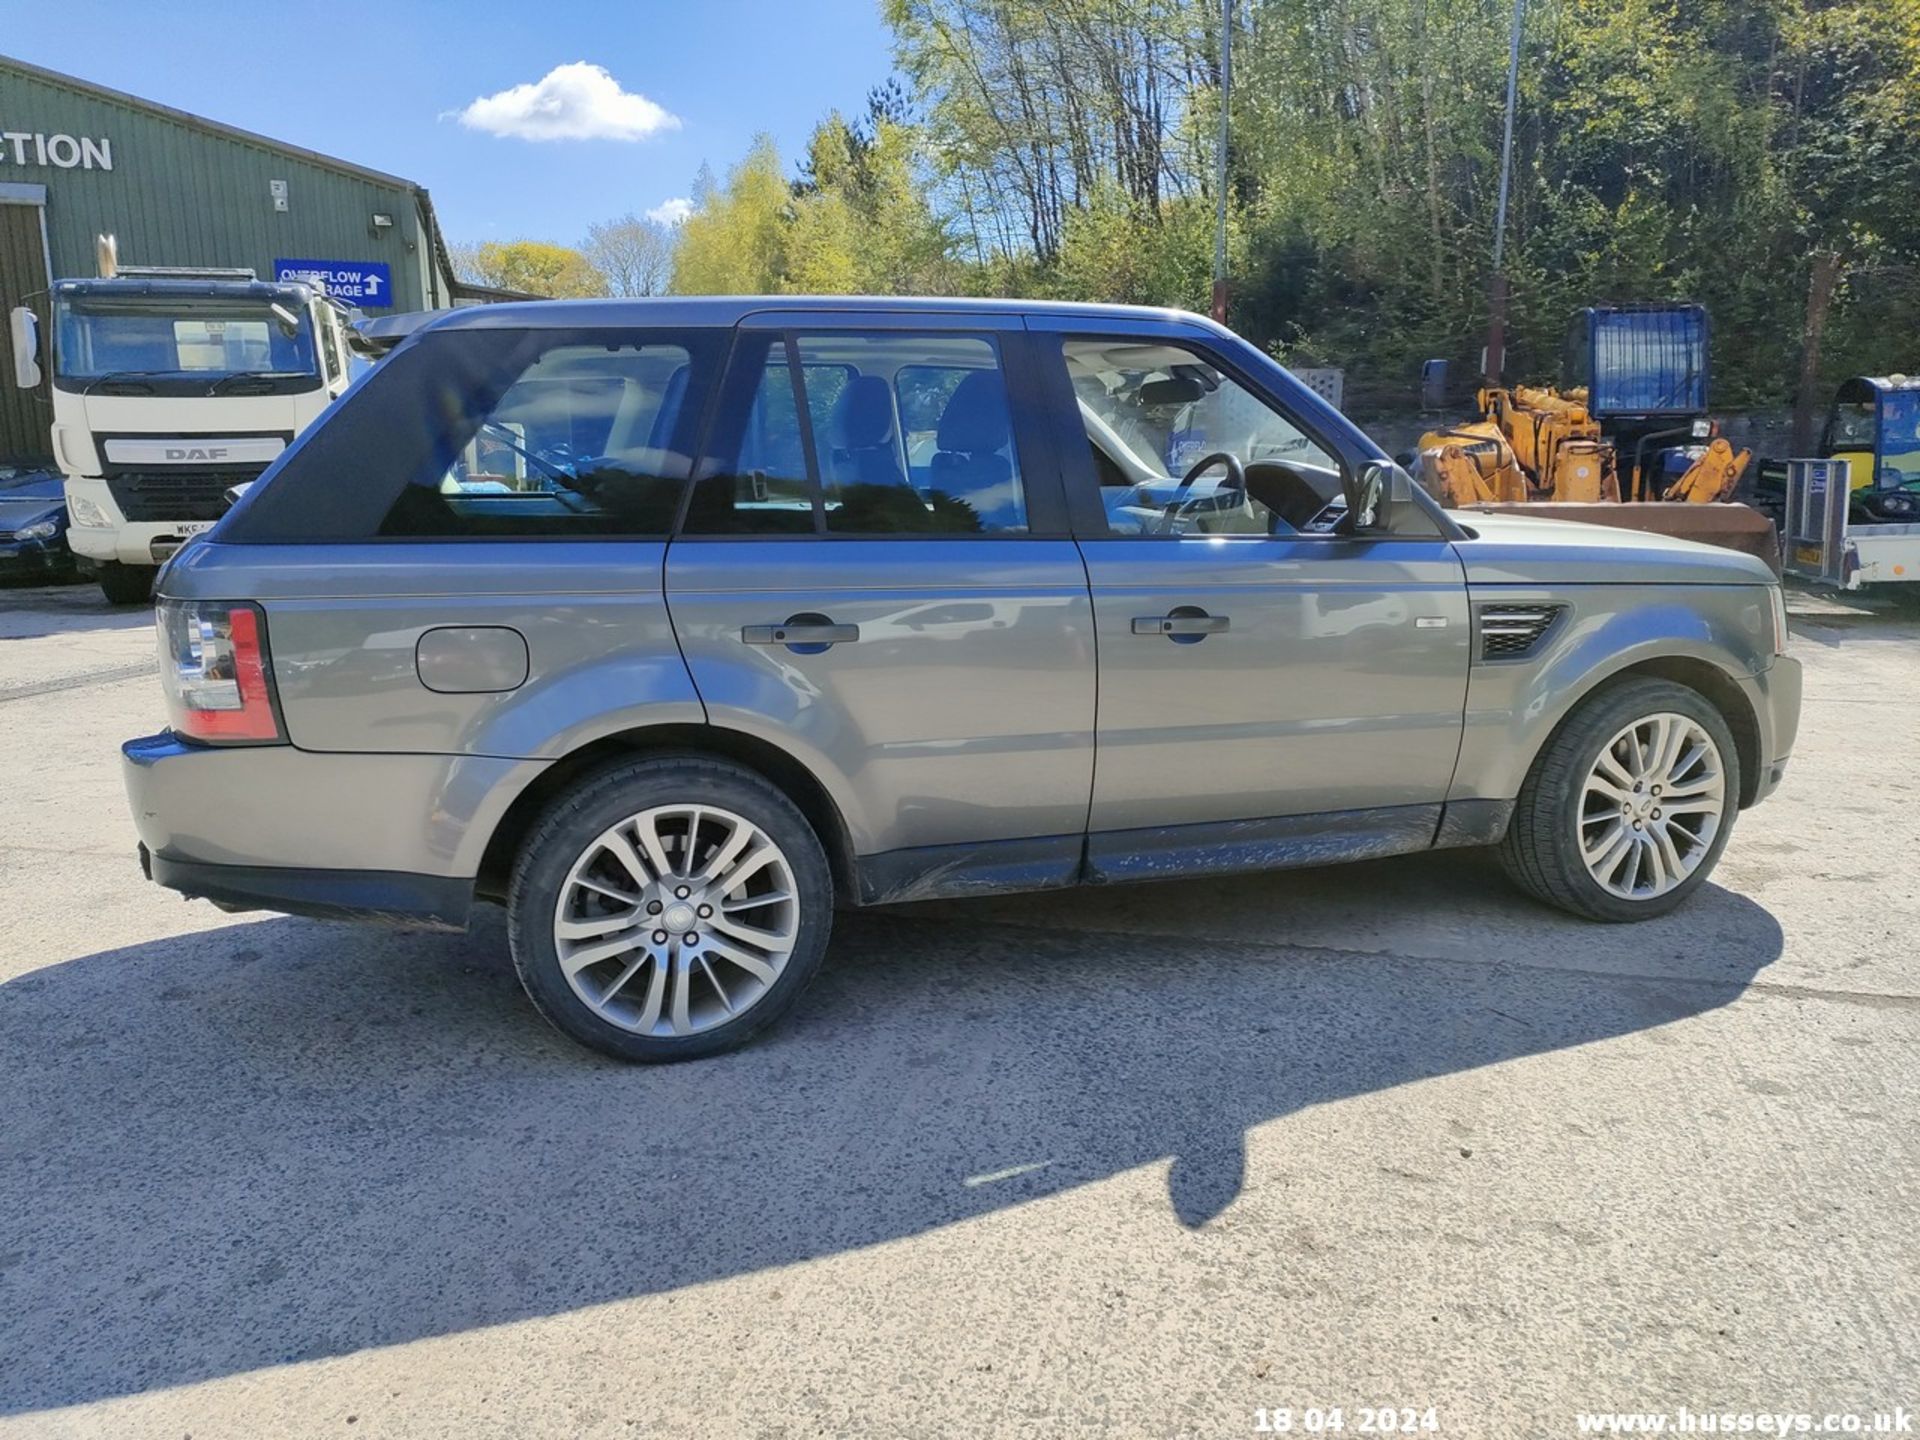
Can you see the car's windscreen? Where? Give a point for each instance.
(1900, 439)
(99, 339)
(1850, 426)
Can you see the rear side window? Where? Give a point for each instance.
(499, 434)
(856, 433)
(581, 443)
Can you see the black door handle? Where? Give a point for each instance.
(1181, 622)
(800, 631)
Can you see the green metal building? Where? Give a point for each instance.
(78, 161)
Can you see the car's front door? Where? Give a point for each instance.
(875, 575)
(1253, 662)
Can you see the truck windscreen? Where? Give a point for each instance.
(104, 340)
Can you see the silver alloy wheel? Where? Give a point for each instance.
(676, 920)
(1651, 806)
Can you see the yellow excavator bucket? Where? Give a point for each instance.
(1540, 452)
(1714, 476)
(1470, 465)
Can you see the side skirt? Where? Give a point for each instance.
(993, 867)
(1172, 852)
(1281, 843)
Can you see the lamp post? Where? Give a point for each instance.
(1496, 359)
(1220, 197)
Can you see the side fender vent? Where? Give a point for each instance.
(1510, 632)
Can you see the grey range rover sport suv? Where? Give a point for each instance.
(672, 625)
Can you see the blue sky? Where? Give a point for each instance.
(381, 84)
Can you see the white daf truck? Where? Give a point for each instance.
(169, 389)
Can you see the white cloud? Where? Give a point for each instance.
(570, 102)
(671, 212)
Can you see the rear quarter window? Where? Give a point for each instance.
(508, 434)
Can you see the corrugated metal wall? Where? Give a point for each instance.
(25, 415)
(181, 195)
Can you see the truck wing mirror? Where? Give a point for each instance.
(23, 331)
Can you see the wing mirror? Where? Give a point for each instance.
(1369, 491)
(23, 331)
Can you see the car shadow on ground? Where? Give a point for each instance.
(283, 1140)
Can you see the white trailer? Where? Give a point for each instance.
(1826, 543)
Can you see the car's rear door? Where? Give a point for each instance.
(874, 575)
(1252, 666)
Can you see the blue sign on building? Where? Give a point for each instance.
(365, 283)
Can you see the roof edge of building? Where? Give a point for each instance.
(201, 122)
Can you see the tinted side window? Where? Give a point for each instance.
(895, 433)
(588, 439)
(772, 492)
(497, 432)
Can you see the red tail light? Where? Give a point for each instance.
(213, 667)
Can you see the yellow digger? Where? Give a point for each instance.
(1626, 443)
(1538, 444)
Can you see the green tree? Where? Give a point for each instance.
(1758, 156)
(1114, 249)
(734, 242)
(856, 220)
(866, 181)
(534, 267)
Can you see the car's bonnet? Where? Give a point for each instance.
(1523, 550)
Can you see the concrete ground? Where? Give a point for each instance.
(1121, 1162)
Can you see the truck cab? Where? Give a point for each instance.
(1644, 370)
(168, 391)
(1874, 426)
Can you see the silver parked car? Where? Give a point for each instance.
(671, 624)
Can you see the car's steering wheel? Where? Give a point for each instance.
(542, 460)
(1236, 472)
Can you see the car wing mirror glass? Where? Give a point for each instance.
(1369, 491)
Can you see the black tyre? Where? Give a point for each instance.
(669, 908)
(127, 584)
(1627, 808)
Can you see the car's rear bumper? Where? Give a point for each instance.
(437, 900)
(278, 828)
